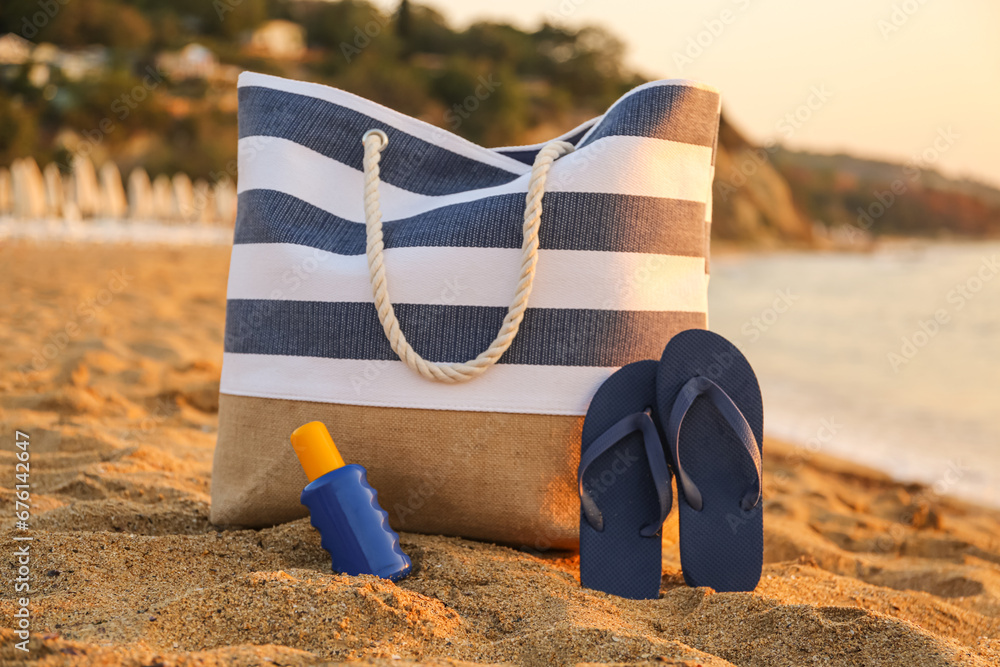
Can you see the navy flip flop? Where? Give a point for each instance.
(713, 418)
(624, 484)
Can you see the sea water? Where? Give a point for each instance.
(890, 359)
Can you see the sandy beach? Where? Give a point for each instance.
(111, 360)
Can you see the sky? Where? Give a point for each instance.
(884, 79)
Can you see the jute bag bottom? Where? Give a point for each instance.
(480, 475)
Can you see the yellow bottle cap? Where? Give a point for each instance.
(315, 449)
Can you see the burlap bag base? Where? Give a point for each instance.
(508, 478)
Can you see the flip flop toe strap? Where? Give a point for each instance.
(702, 386)
(637, 421)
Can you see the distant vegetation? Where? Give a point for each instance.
(775, 196)
(888, 199)
(542, 81)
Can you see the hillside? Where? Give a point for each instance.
(753, 203)
(884, 198)
(155, 87)
(162, 93)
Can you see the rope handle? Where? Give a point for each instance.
(375, 142)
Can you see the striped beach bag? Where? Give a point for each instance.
(449, 310)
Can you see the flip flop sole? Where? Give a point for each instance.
(618, 559)
(721, 545)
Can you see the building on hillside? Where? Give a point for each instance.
(195, 61)
(14, 49)
(75, 65)
(283, 40)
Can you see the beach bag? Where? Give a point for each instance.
(449, 310)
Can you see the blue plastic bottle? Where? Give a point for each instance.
(353, 528)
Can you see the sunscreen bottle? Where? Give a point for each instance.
(353, 528)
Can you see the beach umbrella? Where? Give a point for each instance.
(37, 184)
(184, 196)
(28, 188)
(5, 193)
(54, 191)
(204, 202)
(163, 199)
(140, 195)
(70, 210)
(19, 194)
(113, 202)
(225, 201)
(88, 195)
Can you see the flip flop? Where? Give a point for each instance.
(624, 484)
(714, 421)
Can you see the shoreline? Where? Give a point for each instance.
(152, 232)
(728, 249)
(831, 349)
(944, 482)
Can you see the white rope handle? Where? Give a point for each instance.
(374, 141)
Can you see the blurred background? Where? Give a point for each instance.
(856, 204)
(842, 99)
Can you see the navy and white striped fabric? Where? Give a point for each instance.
(621, 268)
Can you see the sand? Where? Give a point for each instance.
(121, 407)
